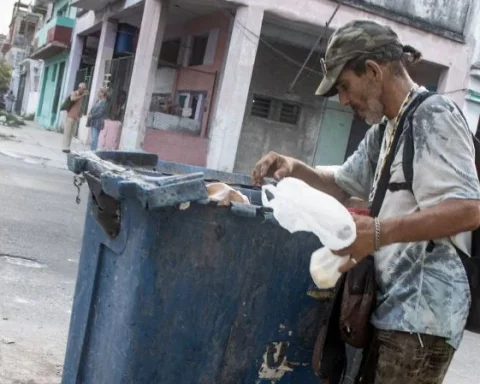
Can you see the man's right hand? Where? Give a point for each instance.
(273, 165)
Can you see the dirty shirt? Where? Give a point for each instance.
(420, 289)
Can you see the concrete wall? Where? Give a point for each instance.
(471, 107)
(271, 78)
(165, 80)
(183, 147)
(31, 96)
(472, 104)
(438, 16)
(323, 132)
(201, 77)
(176, 147)
(442, 51)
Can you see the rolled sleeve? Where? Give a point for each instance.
(444, 160)
(355, 176)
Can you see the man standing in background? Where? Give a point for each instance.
(73, 106)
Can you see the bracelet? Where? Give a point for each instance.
(377, 233)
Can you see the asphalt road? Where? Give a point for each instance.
(40, 235)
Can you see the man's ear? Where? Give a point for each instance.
(374, 71)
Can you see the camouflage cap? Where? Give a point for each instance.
(352, 40)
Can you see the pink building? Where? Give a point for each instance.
(209, 82)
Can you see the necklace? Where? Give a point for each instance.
(379, 170)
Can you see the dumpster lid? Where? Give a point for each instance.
(122, 181)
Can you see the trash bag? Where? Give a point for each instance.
(299, 207)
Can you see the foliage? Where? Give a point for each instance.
(5, 75)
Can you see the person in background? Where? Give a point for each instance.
(73, 114)
(9, 99)
(97, 116)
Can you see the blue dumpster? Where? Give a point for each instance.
(172, 288)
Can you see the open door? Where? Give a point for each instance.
(334, 134)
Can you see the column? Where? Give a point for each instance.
(452, 83)
(232, 91)
(150, 41)
(73, 65)
(106, 46)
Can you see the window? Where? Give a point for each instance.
(289, 113)
(161, 102)
(261, 106)
(192, 104)
(275, 110)
(199, 47)
(22, 28)
(62, 11)
(170, 52)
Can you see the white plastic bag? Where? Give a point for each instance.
(299, 207)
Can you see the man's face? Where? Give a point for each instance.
(362, 94)
(82, 88)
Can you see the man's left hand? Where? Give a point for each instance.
(364, 244)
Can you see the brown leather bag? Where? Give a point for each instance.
(347, 321)
(357, 305)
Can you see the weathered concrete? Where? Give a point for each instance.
(232, 91)
(443, 17)
(106, 46)
(260, 135)
(73, 65)
(150, 41)
(433, 47)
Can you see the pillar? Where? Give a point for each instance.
(233, 88)
(150, 41)
(453, 81)
(73, 65)
(106, 46)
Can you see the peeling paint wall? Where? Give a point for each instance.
(442, 14)
(271, 78)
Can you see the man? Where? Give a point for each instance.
(423, 294)
(73, 114)
(9, 99)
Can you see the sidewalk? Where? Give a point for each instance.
(35, 145)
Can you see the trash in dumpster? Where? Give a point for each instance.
(224, 195)
(299, 207)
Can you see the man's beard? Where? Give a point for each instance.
(375, 110)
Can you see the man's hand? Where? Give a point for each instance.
(364, 244)
(273, 165)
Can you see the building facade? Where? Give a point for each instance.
(17, 48)
(211, 83)
(52, 46)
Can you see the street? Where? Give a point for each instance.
(40, 236)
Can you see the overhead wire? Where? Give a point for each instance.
(317, 43)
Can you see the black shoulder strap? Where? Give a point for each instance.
(383, 182)
(409, 146)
